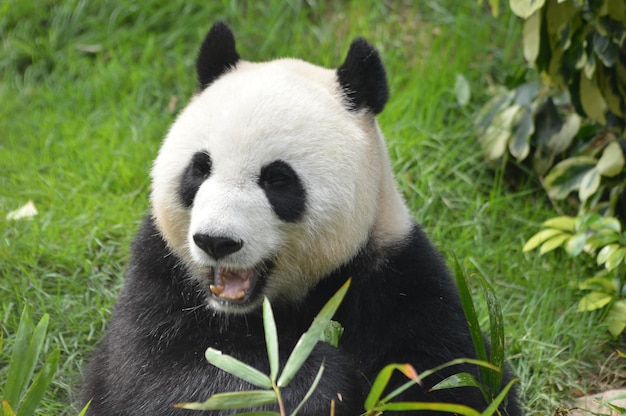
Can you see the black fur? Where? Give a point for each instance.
(195, 174)
(402, 307)
(284, 190)
(218, 54)
(363, 79)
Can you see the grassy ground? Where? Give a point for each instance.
(89, 88)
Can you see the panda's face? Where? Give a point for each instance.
(266, 182)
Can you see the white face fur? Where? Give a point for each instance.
(289, 112)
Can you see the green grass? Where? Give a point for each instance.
(88, 90)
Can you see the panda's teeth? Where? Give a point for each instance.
(217, 290)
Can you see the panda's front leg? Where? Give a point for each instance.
(339, 386)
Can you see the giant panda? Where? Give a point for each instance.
(275, 182)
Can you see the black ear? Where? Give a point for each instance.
(217, 54)
(362, 78)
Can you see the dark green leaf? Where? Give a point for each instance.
(496, 334)
(567, 176)
(457, 380)
(519, 145)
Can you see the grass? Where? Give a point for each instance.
(88, 90)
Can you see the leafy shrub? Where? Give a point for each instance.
(568, 124)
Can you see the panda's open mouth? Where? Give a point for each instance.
(232, 284)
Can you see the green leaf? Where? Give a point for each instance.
(308, 394)
(591, 100)
(26, 351)
(462, 90)
(382, 379)
(561, 141)
(235, 400)
(525, 8)
(531, 34)
(589, 184)
(612, 161)
(309, 339)
(616, 318)
(564, 223)
(493, 406)
(83, 411)
(593, 301)
(541, 237)
(470, 313)
(6, 409)
(553, 243)
(38, 389)
(567, 176)
(439, 407)
(576, 244)
(495, 139)
(332, 334)
(615, 259)
(519, 145)
(606, 252)
(599, 283)
(271, 339)
(457, 380)
(608, 223)
(238, 368)
(496, 335)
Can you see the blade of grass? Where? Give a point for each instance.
(382, 379)
(38, 389)
(496, 333)
(309, 339)
(493, 406)
(439, 407)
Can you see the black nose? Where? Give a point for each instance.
(217, 247)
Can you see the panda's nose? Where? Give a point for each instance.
(217, 247)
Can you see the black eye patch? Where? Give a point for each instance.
(195, 174)
(284, 190)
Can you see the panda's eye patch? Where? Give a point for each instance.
(284, 190)
(200, 165)
(195, 174)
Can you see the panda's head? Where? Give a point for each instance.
(275, 174)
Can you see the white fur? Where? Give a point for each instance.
(285, 110)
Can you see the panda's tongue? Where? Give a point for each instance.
(231, 284)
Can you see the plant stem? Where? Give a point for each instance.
(281, 405)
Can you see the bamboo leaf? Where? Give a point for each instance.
(271, 339)
(541, 237)
(83, 411)
(616, 318)
(593, 301)
(309, 339)
(235, 400)
(7, 409)
(308, 394)
(238, 368)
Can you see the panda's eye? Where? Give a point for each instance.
(277, 175)
(200, 165)
(284, 190)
